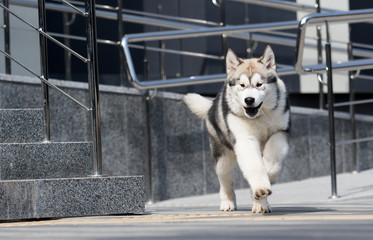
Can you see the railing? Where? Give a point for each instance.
(286, 5)
(313, 19)
(243, 32)
(334, 17)
(327, 18)
(164, 21)
(167, 35)
(91, 61)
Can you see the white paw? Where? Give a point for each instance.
(261, 206)
(227, 205)
(261, 193)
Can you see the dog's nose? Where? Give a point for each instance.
(249, 101)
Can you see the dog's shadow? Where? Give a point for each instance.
(291, 210)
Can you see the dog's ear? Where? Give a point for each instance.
(268, 58)
(231, 61)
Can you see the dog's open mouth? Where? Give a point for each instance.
(252, 111)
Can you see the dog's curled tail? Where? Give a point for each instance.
(198, 104)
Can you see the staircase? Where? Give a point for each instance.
(51, 179)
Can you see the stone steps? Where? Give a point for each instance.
(45, 160)
(51, 179)
(71, 197)
(21, 125)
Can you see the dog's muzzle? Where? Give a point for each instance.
(253, 111)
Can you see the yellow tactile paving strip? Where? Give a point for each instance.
(184, 218)
(346, 214)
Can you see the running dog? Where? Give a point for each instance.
(248, 123)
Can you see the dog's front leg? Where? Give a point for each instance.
(250, 160)
(274, 152)
(260, 205)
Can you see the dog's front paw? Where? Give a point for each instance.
(227, 205)
(261, 193)
(261, 206)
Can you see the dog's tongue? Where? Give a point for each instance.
(253, 111)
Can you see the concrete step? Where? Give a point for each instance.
(45, 160)
(21, 125)
(71, 197)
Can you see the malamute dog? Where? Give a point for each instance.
(248, 123)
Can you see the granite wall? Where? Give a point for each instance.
(176, 161)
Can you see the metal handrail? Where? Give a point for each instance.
(154, 21)
(43, 67)
(176, 24)
(43, 78)
(285, 5)
(351, 16)
(91, 61)
(166, 35)
(148, 14)
(345, 17)
(77, 10)
(6, 27)
(354, 16)
(166, 23)
(42, 32)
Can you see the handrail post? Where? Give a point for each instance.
(93, 83)
(7, 37)
(351, 77)
(331, 119)
(319, 58)
(66, 30)
(223, 22)
(121, 53)
(44, 69)
(162, 45)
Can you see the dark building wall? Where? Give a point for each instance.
(108, 55)
(359, 34)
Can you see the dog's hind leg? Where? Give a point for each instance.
(224, 168)
(274, 152)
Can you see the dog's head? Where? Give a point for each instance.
(251, 80)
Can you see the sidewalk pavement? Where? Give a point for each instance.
(350, 187)
(300, 210)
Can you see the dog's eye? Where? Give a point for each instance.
(242, 85)
(259, 84)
